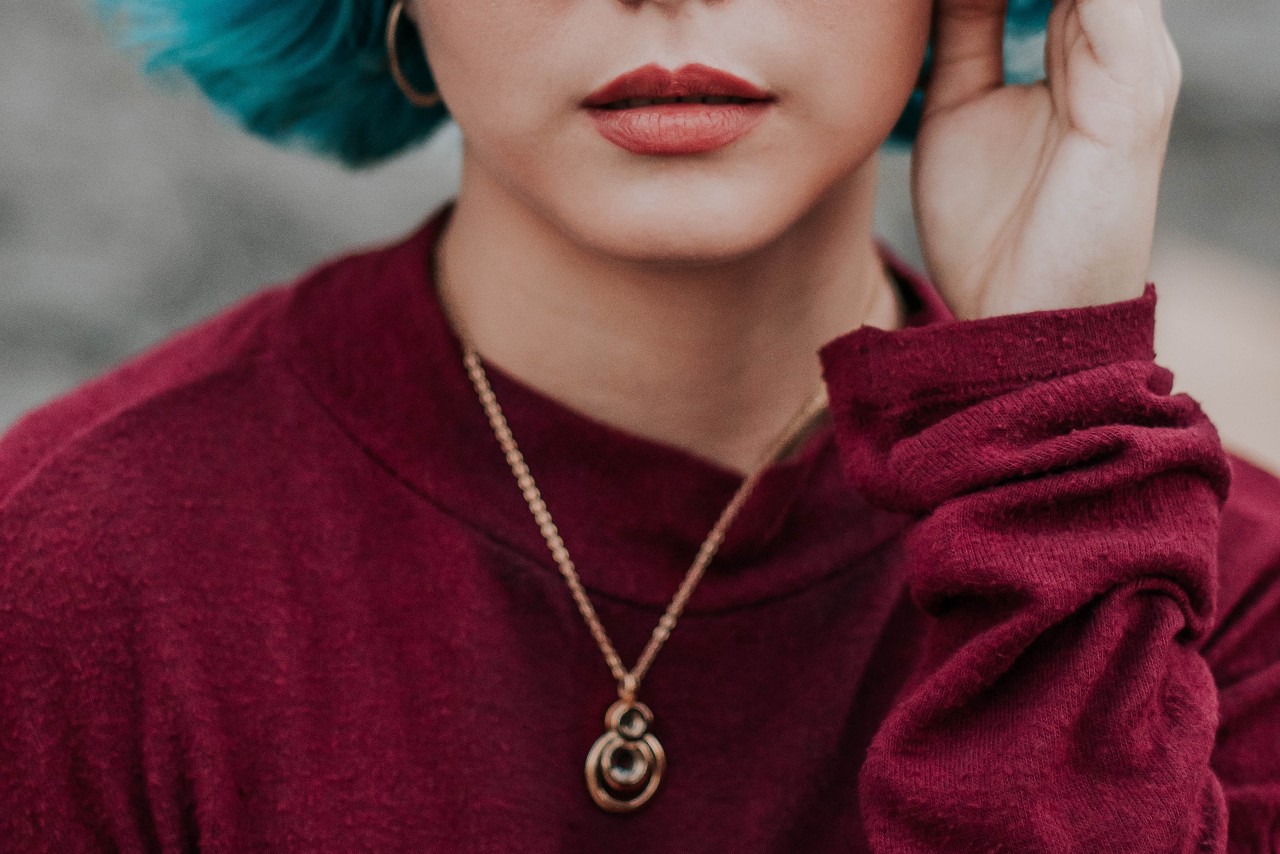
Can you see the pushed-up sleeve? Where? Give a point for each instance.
(1065, 553)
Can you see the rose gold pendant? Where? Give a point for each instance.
(626, 763)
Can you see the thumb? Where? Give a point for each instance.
(968, 52)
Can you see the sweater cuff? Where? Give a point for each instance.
(984, 357)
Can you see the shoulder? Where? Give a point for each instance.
(174, 442)
(1250, 530)
(1246, 636)
(1252, 510)
(196, 373)
(74, 472)
(144, 385)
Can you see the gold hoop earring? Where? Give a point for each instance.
(418, 99)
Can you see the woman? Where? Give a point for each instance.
(362, 562)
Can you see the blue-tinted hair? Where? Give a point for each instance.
(315, 73)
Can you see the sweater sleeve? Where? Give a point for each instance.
(1066, 556)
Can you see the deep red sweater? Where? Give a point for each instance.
(271, 586)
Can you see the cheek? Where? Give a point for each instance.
(866, 57)
(490, 59)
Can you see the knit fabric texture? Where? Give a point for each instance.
(269, 585)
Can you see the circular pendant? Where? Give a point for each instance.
(626, 763)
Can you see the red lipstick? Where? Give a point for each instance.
(714, 109)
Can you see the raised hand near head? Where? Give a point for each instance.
(1043, 196)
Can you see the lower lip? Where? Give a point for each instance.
(678, 128)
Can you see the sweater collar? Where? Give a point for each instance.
(368, 336)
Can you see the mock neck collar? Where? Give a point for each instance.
(368, 336)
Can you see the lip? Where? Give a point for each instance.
(670, 129)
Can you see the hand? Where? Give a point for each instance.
(1043, 196)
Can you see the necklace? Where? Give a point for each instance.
(626, 763)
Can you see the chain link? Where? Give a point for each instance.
(628, 680)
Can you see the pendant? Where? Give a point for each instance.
(626, 762)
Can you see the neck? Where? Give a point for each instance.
(714, 359)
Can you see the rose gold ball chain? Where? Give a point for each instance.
(628, 680)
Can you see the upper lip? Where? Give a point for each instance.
(688, 81)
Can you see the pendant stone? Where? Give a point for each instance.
(626, 763)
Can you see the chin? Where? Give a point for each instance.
(697, 223)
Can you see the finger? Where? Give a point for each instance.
(1129, 43)
(1119, 33)
(1114, 75)
(968, 52)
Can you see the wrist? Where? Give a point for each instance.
(1085, 295)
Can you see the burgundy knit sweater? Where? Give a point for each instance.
(270, 585)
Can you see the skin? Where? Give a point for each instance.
(684, 299)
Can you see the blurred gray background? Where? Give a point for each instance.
(128, 212)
